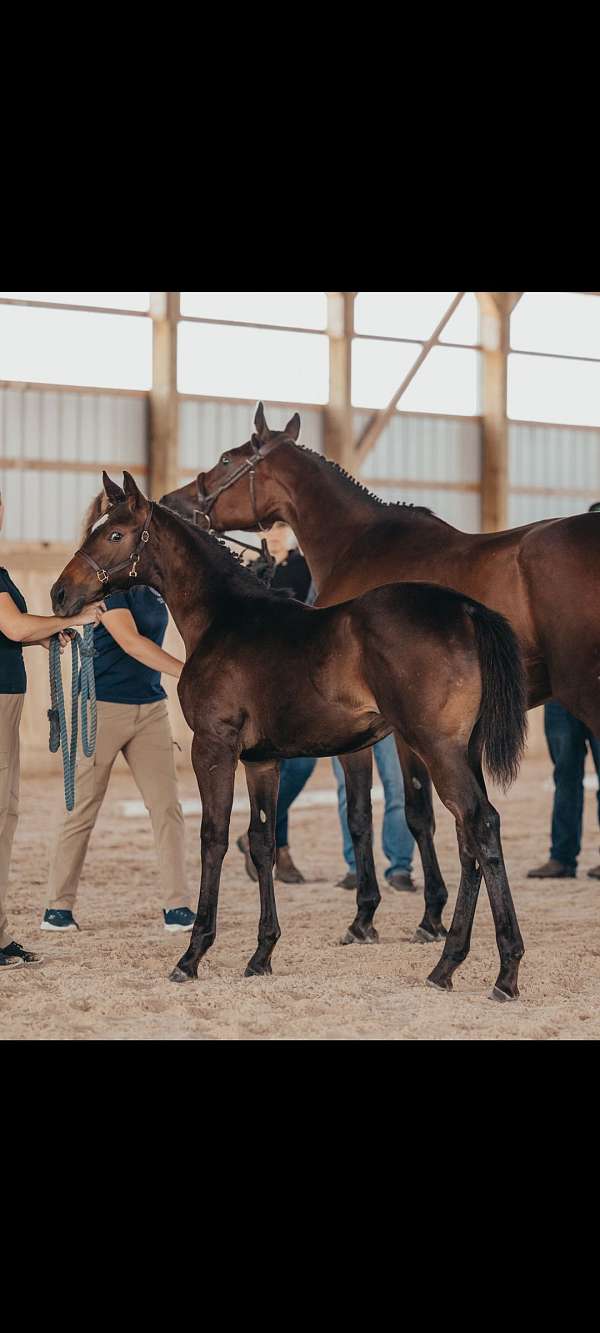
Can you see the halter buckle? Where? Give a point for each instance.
(102, 576)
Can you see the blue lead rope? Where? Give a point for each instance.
(83, 684)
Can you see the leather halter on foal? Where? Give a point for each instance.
(248, 468)
(104, 575)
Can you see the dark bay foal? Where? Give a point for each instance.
(545, 578)
(267, 678)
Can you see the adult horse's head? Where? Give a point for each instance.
(110, 555)
(239, 492)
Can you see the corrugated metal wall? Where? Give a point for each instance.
(555, 468)
(545, 461)
(57, 426)
(429, 449)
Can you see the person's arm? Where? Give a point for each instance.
(23, 628)
(122, 626)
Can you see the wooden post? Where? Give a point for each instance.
(164, 402)
(339, 434)
(495, 312)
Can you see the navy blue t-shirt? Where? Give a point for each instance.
(119, 678)
(13, 677)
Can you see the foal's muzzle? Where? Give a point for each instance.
(61, 605)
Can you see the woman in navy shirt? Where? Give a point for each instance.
(17, 630)
(133, 720)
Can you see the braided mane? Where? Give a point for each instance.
(358, 486)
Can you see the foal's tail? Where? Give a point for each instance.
(503, 716)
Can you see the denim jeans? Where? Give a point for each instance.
(293, 775)
(397, 840)
(567, 738)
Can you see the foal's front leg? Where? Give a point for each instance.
(358, 772)
(215, 771)
(263, 786)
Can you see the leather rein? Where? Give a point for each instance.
(104, 575)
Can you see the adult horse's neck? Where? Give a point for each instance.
(326, 508)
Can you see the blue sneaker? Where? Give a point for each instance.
(55, 920)
(179, 918)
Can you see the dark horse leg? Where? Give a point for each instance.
(358, 772)
(421, 822)
(215, 772)
(459, 785)
(263, 785)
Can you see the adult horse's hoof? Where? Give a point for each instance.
(435, 985)
(258, 971)
(370, 936)
(501, 996)
(178, 975)
(422, 936)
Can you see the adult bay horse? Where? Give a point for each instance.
(267, 678)
(545, 578)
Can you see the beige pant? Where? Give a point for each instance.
(11, 707)
(143, 733)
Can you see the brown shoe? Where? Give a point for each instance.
(401, 880)
(594, 873)
(244, 847)
(552, 870)
(285, 870)
(348, 882)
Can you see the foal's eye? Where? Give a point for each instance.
(115, 536)
(225, 460)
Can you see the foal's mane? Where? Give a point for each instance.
(358, 486)
(241, 581)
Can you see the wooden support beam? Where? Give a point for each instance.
(164, 403)
(377, 424)
(339, 433)
(495, 312)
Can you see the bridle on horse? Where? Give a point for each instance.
(246, 469)
(104, 575)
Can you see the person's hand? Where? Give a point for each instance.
(63, 640)
(92, 614)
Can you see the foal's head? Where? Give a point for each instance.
(239, 492)
(108, 557)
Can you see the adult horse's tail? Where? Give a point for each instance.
(503, 717)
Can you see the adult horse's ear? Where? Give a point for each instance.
(260, 422)
(114, 493)
(293, 426)
(132, 492)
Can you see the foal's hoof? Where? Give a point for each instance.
(438, 985)
(502, 996)
(180, 976)
(423, 936)
(256, 970)
(369, 936)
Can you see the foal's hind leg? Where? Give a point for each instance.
(421, 822)
(263, 785)
(479, 828)
(458, 942)
(215, 771)
(358, 772)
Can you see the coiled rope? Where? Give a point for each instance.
(83, 684)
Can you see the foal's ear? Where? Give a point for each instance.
(260, 421)
(132, 492)
(114, 493)
(293, 426)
